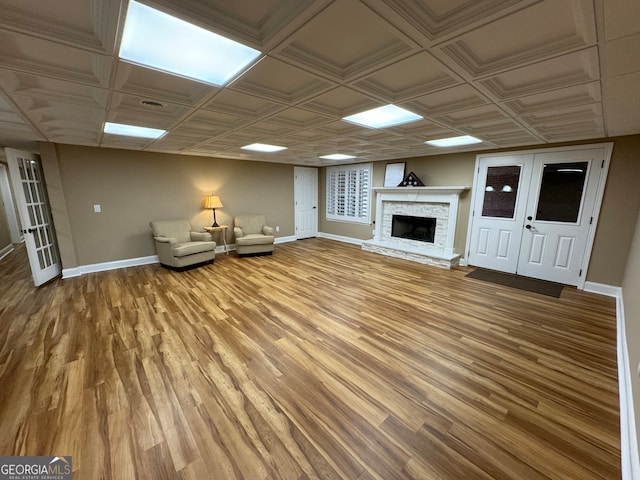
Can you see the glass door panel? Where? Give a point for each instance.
(501, 191)
(561, 192)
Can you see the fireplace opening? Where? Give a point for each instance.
(422, 229)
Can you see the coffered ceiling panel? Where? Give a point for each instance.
(563, 97)
(345, 40)
(280, 82)
(561, 26)
(30, 54)
(27, 85)
(160, 86)
(253, 23)
(242, 105)
(563, 71)
(511, 72)
(414, 76)
(441, 18)
(449, 100)
(89, 24)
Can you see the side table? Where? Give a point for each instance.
(222, 230)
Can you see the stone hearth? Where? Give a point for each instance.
(440, 203)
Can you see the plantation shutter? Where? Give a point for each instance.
(349, 193)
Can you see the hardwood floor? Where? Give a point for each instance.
(321, 361)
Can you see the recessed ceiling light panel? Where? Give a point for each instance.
(157, 40)
(382, 117)
(132, 130)
(454, 141)
(337, 156)
(262, 147)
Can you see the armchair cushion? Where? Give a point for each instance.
(178, 246)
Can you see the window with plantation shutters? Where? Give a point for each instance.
(349, 193)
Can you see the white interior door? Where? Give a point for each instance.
(35, 214)
(499, 205)
(533, 212)
(559, 215)
(306, 201)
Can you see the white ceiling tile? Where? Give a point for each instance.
(90, 25)
(411, 77)
(472, 116)
(622, 56)
(277, 81)
(341, 102)
(242, 105)
(28, 85)
(130, 109)
(253, 23)
(154, 84)
(298, 117)
(330, 45)
(559, 72)
(41, 57)
(585, 93)
(441, 18)
(446, 101)
(545, 29)
(621, 18)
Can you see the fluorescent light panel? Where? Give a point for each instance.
(157, 40)
(132, 130)
(454, 141)
(382, 117)
(263, 147)
(337, 156)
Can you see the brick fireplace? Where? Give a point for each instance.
(439, 203)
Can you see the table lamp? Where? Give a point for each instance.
(213, 202)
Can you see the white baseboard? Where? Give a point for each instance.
(340, 238)
(630, 462)
(101, 267)
(134, 262)
(6, 251)
(290, 238)
(603, 289)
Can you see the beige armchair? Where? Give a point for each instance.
(178, 246)
(253, 236)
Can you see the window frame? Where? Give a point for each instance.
(357, 197)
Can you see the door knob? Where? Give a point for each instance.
(528, 227)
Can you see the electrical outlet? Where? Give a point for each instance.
(277, 228)
(97, 208)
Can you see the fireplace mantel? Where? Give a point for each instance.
(409, 190)
(441, 255)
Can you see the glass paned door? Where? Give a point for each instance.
(35, 214)
(564, 188)
(500, 195)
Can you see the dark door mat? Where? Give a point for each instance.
(542, 287)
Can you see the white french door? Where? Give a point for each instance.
(25, 170)
(533, 213)
(306, 202)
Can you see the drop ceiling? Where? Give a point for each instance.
(509, 72)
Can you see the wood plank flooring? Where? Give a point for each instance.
(320, 361)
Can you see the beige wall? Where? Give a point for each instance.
(631, 300)
(620, 207)
(134, 188)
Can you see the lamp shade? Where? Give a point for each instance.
(212, 201)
